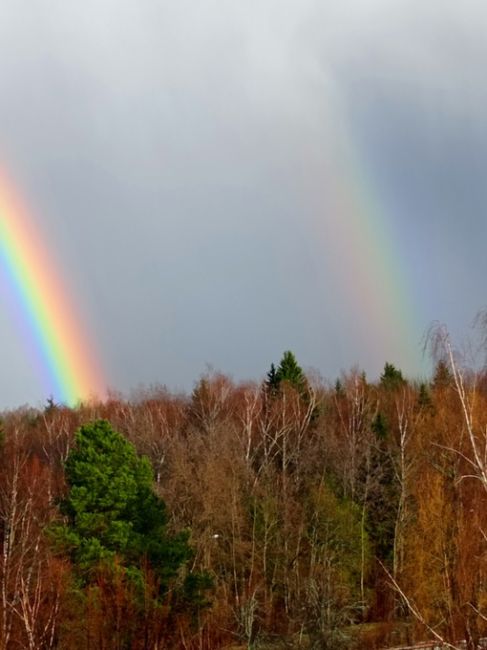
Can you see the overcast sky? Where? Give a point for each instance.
(182, 160)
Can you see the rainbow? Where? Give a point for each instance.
(364, 254)
(64, 353)
(376, 278)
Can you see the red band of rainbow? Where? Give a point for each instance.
(66, 355)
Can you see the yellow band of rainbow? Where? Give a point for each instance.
(66, 354)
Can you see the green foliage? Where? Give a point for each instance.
(379, 426)
(272, 383)
(195, 589)
(379, 491)
(289, 372)
(336, 531)
(112, 511)
(340, 550)
(391, 378)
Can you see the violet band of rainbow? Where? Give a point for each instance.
(65, 352)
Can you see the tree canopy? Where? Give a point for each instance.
(391, 377)
(111, 509)
(288, 371)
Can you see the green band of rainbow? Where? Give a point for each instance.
(372, 294)
(64, 351)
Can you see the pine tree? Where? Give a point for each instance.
(112, 513)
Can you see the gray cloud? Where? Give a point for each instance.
(171, 151)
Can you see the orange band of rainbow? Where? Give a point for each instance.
(63, 348)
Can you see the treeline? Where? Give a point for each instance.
(288, 513)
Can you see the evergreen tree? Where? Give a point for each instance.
(288, 372)
(380, 490)
(379, 426)
(291, 372)
(391, 377)
(424, 397)
(339, 391)
(442, 377)
(112, 513)
(272, 382)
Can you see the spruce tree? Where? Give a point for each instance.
(424, 397)
(391, 378)
(379, 488)
(272, 382)
(291, 372)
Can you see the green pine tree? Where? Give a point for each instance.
(112, 514)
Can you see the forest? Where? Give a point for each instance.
(291, 512)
